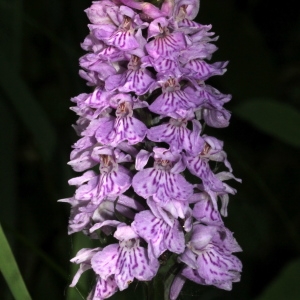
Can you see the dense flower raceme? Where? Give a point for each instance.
(147, 179)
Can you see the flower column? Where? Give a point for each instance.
(142, 125)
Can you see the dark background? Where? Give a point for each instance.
(39, 51)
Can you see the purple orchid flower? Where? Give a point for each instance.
(103, 288)
(209, 258)
(143, 126)
(158, 234)
(173, 102)
(113, 180)
(112, 131)
(163, 182)
(177, 135)
(135, 79)
(126, 260)
(165, 43)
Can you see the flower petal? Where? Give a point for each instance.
(134, 263)
(103, 289)
(155, 231)
(104, 262)
(163, 186)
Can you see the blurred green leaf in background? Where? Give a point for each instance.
(272, 117)
(10, 270)
(286, 285)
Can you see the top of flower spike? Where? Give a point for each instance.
(179, 9)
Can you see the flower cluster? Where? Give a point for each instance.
(141, 137)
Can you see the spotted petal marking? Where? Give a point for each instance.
(162, 64)
(134, 263)
(201, 168)
(173, 104)
(138, 81)
(120, 129)
(125, 262)
(104, 262)
(201, 70)
(216, 268)
(113, 183)
(161, 236)
(205, 212)
(167, 46)
(162, 185)
(124, 40)
(178, 137)
(103, 289)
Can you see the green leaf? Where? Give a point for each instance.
(10, 270)
(272, 117)
(286, 285)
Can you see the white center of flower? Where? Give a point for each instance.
(163, 164)
(171, 85)
(106, 163)
(178, 123)
(205, 150)
(164, 31)
(124, 109)
(126, 23)
(134, 63)
(182, 13)
(129, 244)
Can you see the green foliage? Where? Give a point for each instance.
(286, 285)
(10, 270)
(273, 117)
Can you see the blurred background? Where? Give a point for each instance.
(39, 52)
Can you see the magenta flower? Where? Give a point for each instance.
(173, 102)
(103, 288)
(209, 258)
(135, 79)
(165, 44)
(147, 180)
(163, 182)
(112, 131)
(177, 135)
(113, 180)
(125, 261)
(159, 235)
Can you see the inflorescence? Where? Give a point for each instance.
(147, 178)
